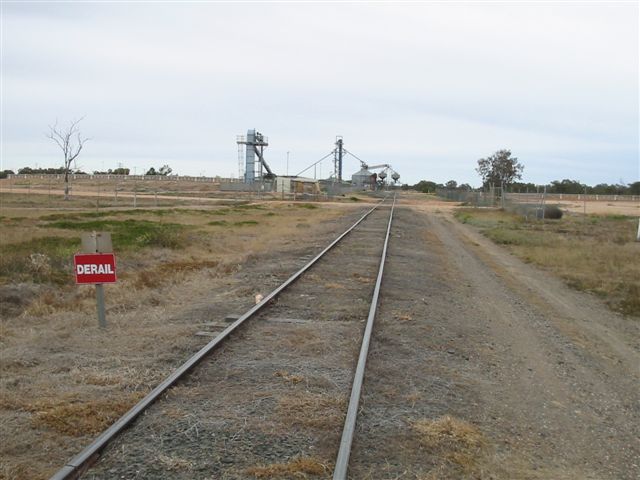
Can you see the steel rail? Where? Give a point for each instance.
(342, 461)
(81, 462)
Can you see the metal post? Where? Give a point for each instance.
(287, 164)
(102, 320)
(340, 160)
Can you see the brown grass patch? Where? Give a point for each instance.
(337, 286)
(74, 417)
(49, 303)
(101, 379)
(155, 277)
(296, 468)
(597, 254)
(460, 442)
(412, 398)
(18, 472)
(362, 278)
(288, 377)
(174, 412)
(173, 463)
(324, 412)
(402, 317)
(300, 338)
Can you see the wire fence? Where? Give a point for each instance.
(530, 205)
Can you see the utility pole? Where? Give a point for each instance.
(287, 164)
(339, 143)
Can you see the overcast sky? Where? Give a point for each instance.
(427, 87)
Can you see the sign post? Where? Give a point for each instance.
(102, 317)
(96, 267)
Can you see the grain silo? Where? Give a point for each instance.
(363, 178)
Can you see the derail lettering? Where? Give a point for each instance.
(95, 268)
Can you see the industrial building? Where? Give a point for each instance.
(297, 185)
(256, 175)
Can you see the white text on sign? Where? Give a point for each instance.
(94, 269)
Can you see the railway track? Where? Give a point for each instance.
(279, 388)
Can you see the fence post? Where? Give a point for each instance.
(544, 195)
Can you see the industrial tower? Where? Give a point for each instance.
(255, 143)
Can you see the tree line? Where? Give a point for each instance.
(557, 186)
(164, 170)
(502, 170)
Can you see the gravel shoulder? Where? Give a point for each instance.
(541, 380)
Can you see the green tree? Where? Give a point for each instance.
(164, 170)
(499, 168)
(566, 186)
(426, 186)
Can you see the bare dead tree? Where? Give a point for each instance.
(70, 142)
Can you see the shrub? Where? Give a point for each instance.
(551, 212)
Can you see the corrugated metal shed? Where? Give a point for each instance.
(362, 178)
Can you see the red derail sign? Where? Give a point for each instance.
(94, 268)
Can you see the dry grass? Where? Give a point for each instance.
(362, 278)
(71, 416)
(312, 410)
(61, 376)
(173, 463)
(34, 250)
(402, 316)
(597, 254)
(51, 301)
(288, 377)
(461, 443)
(297, 468)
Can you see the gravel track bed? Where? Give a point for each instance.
(275, 392)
